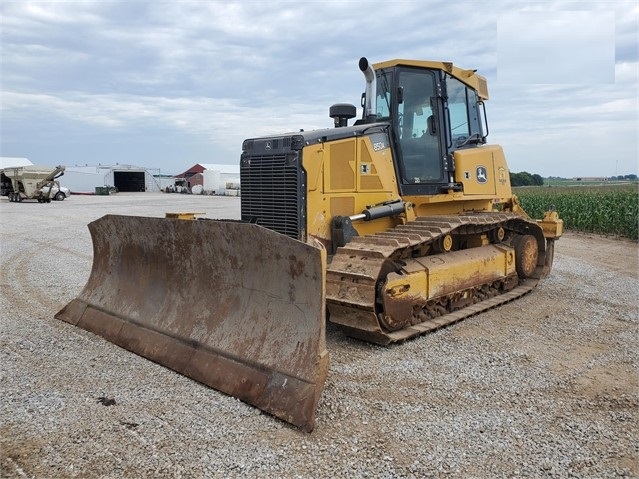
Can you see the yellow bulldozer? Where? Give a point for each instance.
(396, 225)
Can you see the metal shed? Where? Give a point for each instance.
(126, 178)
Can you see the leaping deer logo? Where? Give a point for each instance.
(482, 174)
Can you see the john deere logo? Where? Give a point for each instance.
(482, 174)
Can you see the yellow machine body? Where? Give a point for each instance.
(348, 176)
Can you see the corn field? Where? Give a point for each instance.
(608, 209)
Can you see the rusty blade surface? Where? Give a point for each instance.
(232, 305)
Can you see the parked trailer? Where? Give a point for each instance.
(33, 182)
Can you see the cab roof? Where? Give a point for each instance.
(469, 77)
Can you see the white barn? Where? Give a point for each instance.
(126, 178)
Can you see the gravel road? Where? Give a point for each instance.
(546, 386)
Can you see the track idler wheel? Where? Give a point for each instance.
(444, 244)
(526, 255)
(497, 235)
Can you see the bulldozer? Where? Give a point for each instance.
(397, 225)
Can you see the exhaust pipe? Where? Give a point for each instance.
(370, 94)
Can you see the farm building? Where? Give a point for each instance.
(10, 162)
(590, 178)
(126, 178)
(213, 178)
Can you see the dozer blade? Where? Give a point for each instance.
(232, 305)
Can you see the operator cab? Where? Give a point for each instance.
(432, 114)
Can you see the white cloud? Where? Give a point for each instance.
(206, 75)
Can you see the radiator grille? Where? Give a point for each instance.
(271, 193)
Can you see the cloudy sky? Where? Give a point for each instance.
(167, 84)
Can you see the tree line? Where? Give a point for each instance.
(525, 179)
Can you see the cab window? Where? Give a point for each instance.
(462, 112)
(384, 92)
(420, 147)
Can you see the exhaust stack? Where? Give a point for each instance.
(370, 98)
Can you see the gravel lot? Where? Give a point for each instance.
(546, 386)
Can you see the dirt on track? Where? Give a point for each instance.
(544, 386)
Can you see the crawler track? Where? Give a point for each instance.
(357, 272)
